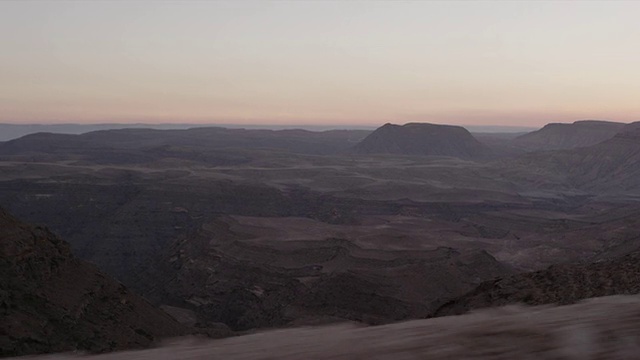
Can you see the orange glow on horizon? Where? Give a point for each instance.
(306, 63)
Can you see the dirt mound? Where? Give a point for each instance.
(51, 301)
(422, 139)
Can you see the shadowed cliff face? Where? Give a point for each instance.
(51, 301)
(423, 139)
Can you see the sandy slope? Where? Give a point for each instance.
(601, 328)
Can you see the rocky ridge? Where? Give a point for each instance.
(50, 301)
(557, 136)
(559, 284)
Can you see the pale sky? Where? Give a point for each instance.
(319, 62)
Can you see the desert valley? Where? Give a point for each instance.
(319, 180)
(221, 232)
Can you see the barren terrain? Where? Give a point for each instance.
(601, 328)
(260, 229)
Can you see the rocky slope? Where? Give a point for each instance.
(612, 166)
(558, 284)
(222, 278)
(568, 136)
(50, 301)
(603, 328)
(422, 139)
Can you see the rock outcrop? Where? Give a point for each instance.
(558, 284)
(50, 301)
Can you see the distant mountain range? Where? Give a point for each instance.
(195, 144)
(14, 131)
(240, 229)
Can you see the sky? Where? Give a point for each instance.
(342, 63)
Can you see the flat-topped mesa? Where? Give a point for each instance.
(422, 139)
(558, 136)
(52, 301)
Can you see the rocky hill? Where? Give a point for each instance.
(422, 139)
(610, 167)
(631, 126)
(50, 301)
(613, 165)
(558, 284)
(568, 136)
